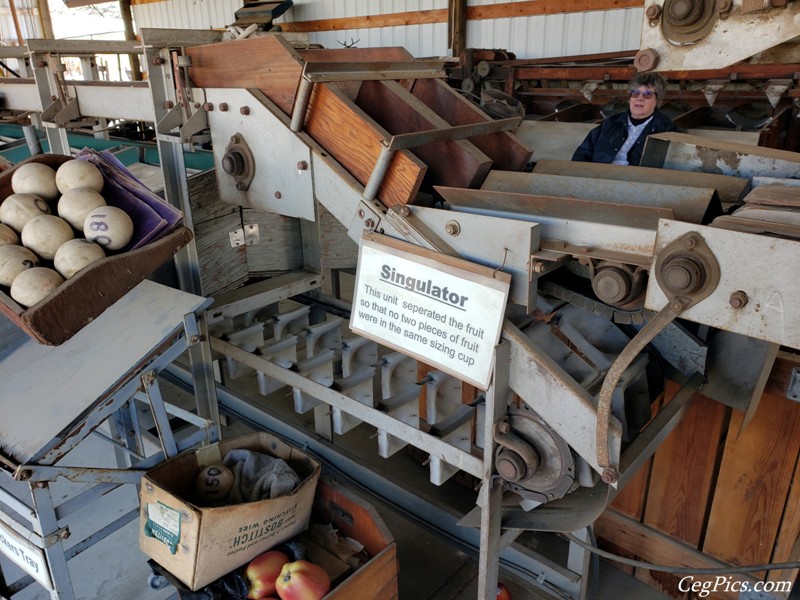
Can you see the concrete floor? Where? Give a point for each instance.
(430, 568)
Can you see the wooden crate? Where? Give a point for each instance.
(83, 297)
(356, 518)
(714, 495)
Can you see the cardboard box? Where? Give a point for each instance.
(81, 299)
(197, 545)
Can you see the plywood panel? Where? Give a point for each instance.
(457, 163)
(267, 62)
(505, 150)
(754, 478)
(680, 485)
(221, 266)
(354, 139)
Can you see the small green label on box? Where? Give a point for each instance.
(164, 524)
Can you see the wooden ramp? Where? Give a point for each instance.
(355, 120)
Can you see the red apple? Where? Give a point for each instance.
(262, 572)
(302, 580)
(502, 592)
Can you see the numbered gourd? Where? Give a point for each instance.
(13, 261)
(108, 226)
(18, 209)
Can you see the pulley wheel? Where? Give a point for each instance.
(685, 22)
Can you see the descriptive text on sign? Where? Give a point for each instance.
(26, 556)
(445, 311)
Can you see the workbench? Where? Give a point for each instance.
(53, 397)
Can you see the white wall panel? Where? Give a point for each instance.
(527, 37)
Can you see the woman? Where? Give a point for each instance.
(620, 138)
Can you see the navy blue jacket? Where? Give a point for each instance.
(605, 140)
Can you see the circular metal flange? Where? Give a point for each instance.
(238, 162)
(554, 475)
(687, 268)
(685, 22)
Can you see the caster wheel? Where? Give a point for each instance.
(157, 582)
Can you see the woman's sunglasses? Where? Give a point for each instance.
(646, 94)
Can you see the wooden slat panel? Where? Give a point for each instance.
(221, 266)
(788, 533)
(658, 548)
(266, 62)
(757, 467)
(680, 485)
(354, 139)
(458, 162)
(505, 150)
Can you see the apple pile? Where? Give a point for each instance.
(55, 223)
(274, 573)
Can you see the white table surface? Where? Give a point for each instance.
(46, 390)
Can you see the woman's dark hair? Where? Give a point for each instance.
(649, 79)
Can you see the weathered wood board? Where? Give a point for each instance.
(753, 483)
(681, 481)
(457, 163)
(354, 139)
(506, 151)
(270, 64)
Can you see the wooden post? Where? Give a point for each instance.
(44, 19)
(457, 25)
(127, 19)
(13, 7)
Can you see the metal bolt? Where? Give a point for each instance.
(41, 64)
(405, 211)
(724, 6)
(208, 107)
(539, 267)
(302, 165)
(169, 104)
(689, 243)
(158, 61)
(360, 213)
(738, 299)
(503, 427)
(223, 106)
(452, 228)
(197, 105)
(245, 110)
(25, 474)
(653, 12)
(646, 60)
(277, 195)
(53, 98)
(609, 476)
(369, 224)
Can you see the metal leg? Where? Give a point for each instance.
(205, 389)
(579, 561)
(491, 495)
(160, 416)
(47, 524)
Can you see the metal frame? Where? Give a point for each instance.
(38, 520)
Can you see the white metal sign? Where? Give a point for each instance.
(25, 555)
(444, 311)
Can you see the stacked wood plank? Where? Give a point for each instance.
(716, 495)
(352, 122)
